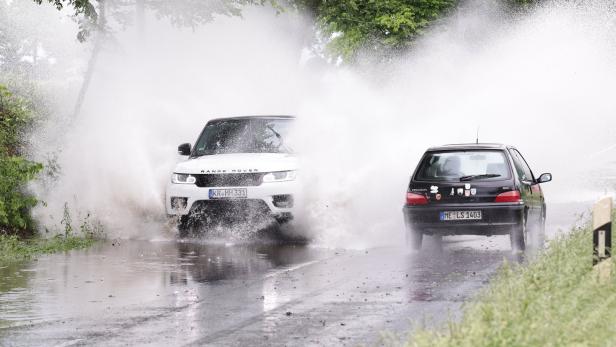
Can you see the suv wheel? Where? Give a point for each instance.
(184, 226)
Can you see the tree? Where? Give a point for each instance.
(180, 12)
(376, 26)
(379, 27)
(93, 15)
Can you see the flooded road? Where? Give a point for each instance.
(206, 293)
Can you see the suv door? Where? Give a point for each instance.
(530, 189)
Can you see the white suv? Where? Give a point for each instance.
(239, 167)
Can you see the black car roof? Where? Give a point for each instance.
(468, 146)
(255, 117)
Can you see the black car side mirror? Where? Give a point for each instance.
(546, 177)
(184, 149)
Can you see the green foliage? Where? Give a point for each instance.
(15, 171)
(15, 116)
(554, 301)
(81, 7)
(189, 13)
(67, 220)
(89, 228)
(379, 26)
(14, 248)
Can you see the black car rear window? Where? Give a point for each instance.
(473, 165)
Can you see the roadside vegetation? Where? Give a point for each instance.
(15, 169)
(14, 248)
(18, 237)
(556, 300)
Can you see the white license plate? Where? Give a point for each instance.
(231, 193)
(460, 215)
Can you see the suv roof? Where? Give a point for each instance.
(255, 117)
(468, 146)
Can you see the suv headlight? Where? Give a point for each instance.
(279, 176)
(179, 178)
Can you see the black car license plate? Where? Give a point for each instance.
(460, 215)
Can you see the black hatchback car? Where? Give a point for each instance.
(475, 189)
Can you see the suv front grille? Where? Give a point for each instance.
(252, 179)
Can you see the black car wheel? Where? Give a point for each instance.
(541, 238)
(414, 239)
(518, 236)
(542, 232)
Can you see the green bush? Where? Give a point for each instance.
(15, 170)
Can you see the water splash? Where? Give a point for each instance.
(541, 82)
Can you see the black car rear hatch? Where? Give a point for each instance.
(461, 192)
(462, 176)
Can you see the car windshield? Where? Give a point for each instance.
(249, 135)
(463, 166)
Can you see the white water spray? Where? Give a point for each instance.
(543, 83)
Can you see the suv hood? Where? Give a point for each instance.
(238, 163)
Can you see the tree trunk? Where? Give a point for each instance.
(98, 43)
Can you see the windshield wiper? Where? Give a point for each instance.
(474, 177)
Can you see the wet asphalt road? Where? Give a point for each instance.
(207, 293)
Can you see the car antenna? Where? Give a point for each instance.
(477, 138)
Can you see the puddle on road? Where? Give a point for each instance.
(15, 279)
(135, 272)
(140, 292)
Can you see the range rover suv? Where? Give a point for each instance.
(477, 189)
(241, 167)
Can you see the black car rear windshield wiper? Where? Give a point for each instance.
(475, 177)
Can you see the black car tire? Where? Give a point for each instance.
(438, 241)
(517, 236)
(541, 237)
(414, 239)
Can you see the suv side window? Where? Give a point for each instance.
(521, 166)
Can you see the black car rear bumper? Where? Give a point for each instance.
(497, 219)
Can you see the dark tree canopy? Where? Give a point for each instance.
(377, 25)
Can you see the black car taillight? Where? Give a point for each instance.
(512, 196)
(414, 199)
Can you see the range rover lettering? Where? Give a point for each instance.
(476, 189)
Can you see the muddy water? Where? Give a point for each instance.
(212, 293)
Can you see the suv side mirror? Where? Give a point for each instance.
(184, 149)
(546, 177)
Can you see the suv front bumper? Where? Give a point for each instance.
(271, 194)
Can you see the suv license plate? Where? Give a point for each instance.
(235, 193)
(460, 215)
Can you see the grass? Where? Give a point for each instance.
(14, 248)
(556, 300)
